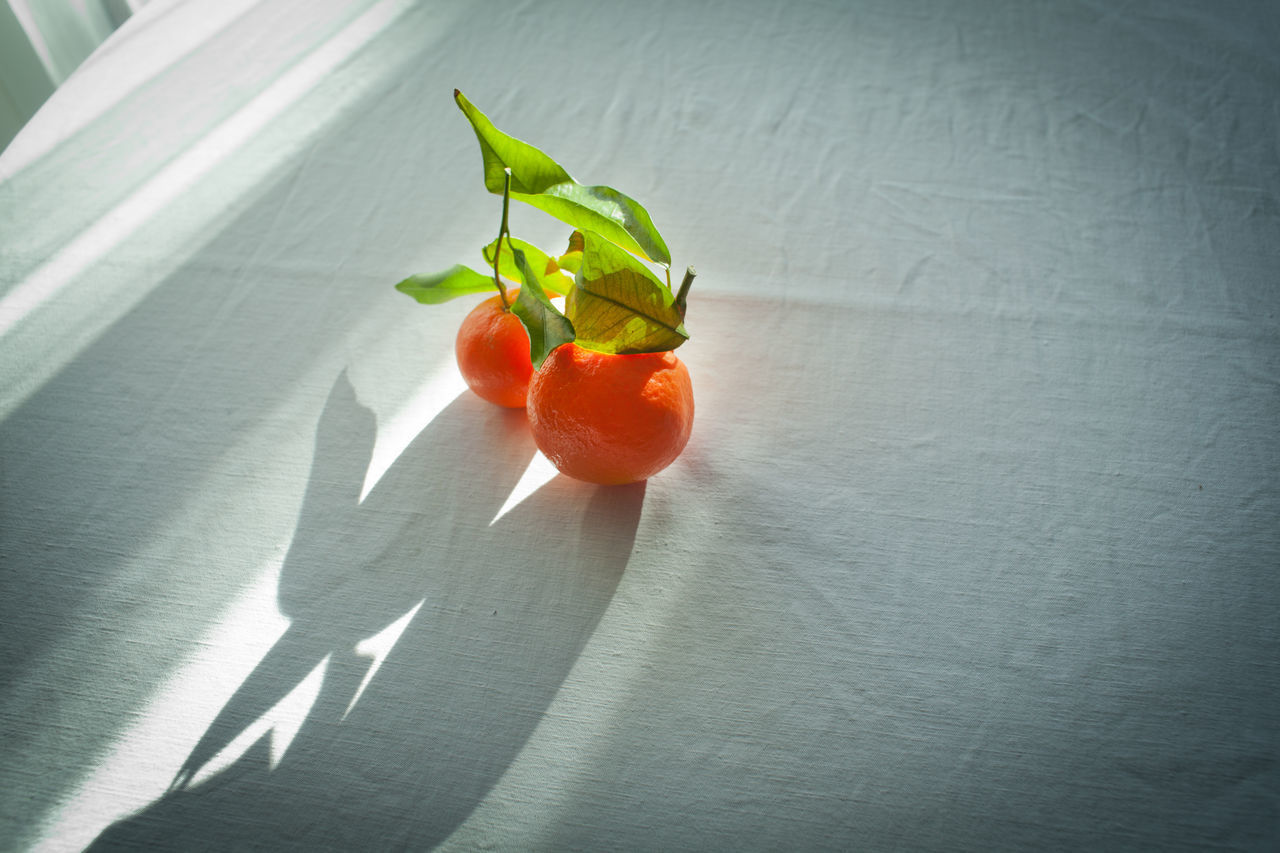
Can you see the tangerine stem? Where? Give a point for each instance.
(503, 231)
(683, 295)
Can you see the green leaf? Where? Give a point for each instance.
(605, 211)
(618, 306)
(532, 172)
(571, 260)
(443, 286)
(547, 327)
(550, 278)
(538, 180)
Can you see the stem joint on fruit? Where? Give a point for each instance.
(682, 297)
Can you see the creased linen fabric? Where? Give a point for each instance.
(975, 545)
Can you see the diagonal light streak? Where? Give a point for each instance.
(539, 472)
(378, 647)
(430, 400)
(281, 723)
(129, 71)
(64, 268)
(143, 761)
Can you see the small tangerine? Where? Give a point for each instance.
(492, 349)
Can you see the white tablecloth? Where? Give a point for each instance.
(976, 544)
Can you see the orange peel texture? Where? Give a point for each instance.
(610, 419)
(493, 353)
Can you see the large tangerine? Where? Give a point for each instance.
(493, 353)
(610, 419)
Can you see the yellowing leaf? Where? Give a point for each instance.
(551, 279)
(571, 260)
(618, 306)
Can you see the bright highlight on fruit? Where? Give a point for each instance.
(607, 399)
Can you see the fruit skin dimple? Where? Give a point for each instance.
(610, 419)
(492, 349)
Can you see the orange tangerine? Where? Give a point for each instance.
(610, 419)
(493, 353)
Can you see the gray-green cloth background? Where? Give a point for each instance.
(976, 544)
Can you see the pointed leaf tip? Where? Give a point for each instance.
(434, 288)
(539, 181)
(618, 306)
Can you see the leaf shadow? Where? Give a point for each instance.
(404, 747)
